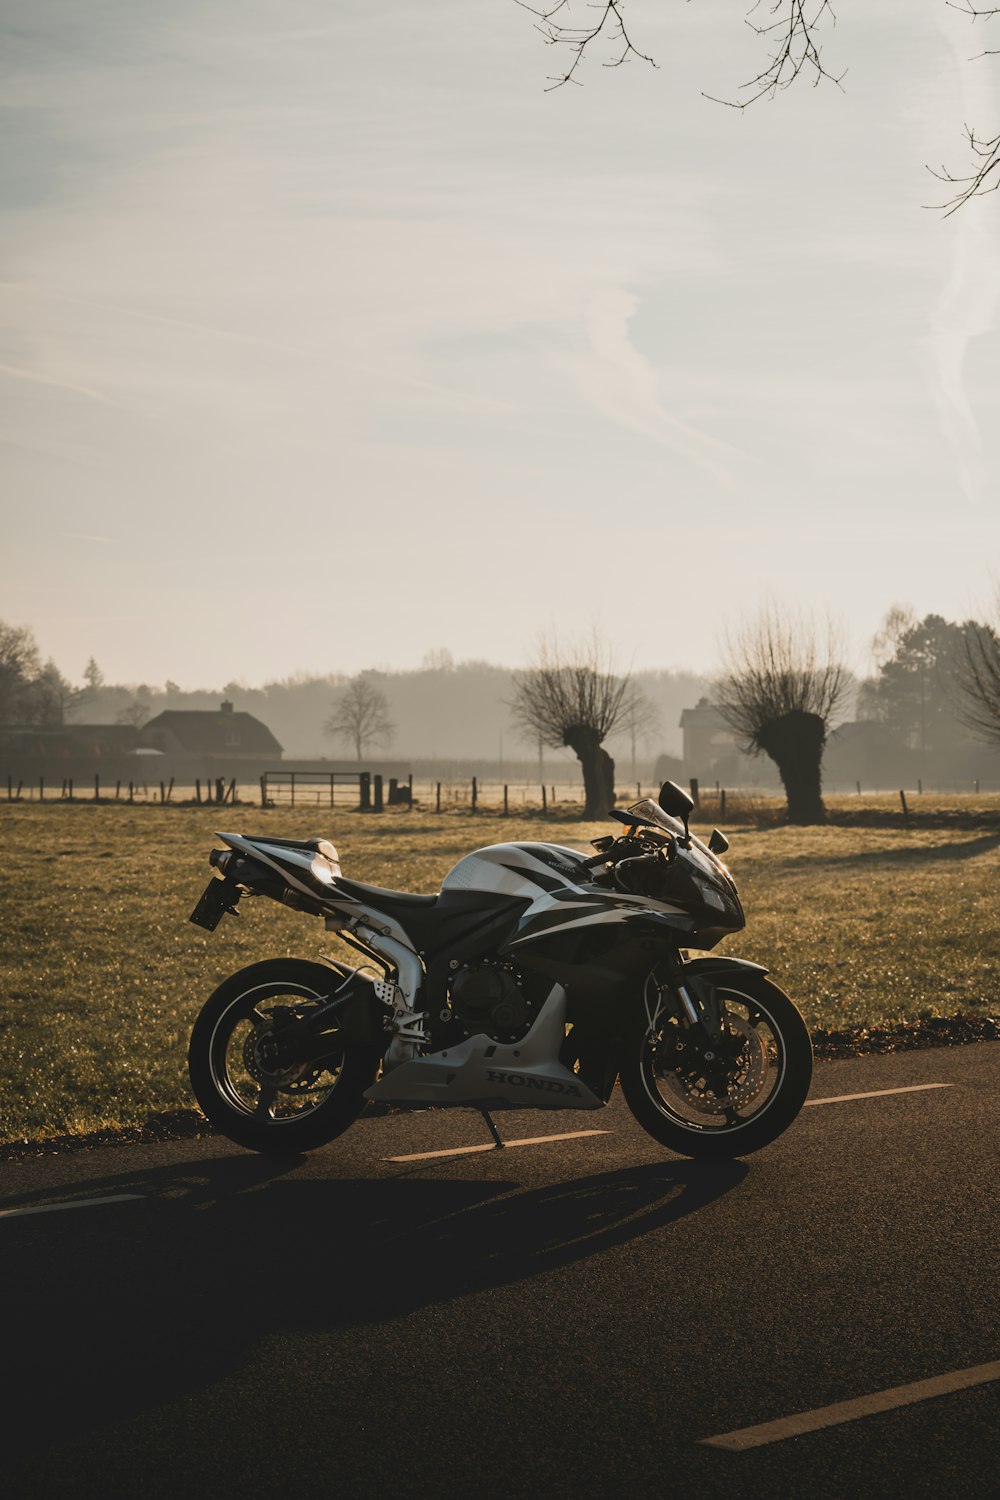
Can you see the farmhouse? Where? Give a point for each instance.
(215, 737)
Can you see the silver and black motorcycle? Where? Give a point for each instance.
(535, 978)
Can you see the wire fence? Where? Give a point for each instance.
(364, 791)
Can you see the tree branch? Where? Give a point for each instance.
(796, 50)
(576, 39)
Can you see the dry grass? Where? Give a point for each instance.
(103, 974)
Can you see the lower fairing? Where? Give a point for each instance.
(489, 1075)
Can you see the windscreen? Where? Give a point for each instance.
(652, 812)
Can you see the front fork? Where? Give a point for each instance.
(692, 997)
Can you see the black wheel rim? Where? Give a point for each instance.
(720, 1097)
(241, 1075)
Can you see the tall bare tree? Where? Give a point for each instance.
(361, 715)
(977, 681)
(778, 690)
(573, 697)
(639, 719)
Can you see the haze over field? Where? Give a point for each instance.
(330, 337)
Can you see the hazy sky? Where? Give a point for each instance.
(329, 337)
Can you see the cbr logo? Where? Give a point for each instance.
(525, 1081)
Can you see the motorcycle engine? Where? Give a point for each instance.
(488, 998)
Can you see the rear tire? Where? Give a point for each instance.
(292, 1112)
(684, 1112)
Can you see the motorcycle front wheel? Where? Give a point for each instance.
(731, 1101)
(240, 1091)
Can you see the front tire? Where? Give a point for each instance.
(698, 1110)
(298, 1109)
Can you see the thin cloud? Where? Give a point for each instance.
(966, 308)
(621, 383)
(59, 385)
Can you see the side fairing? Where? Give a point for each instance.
(561, 891)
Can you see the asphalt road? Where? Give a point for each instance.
(569, 1318)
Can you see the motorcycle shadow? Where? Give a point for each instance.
(157, 1299)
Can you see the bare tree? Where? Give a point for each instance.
(778, 691)
(575, 698)
(977, 683)
(135, 713)
(791, 34)
(361, 715)
(20, 665)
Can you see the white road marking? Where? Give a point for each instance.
(51, 1208)
(529, 1140)
(912, 1088)
(850, 1411)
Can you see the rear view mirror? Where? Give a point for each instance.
(675, 800)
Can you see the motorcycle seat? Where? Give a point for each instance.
(384, 899)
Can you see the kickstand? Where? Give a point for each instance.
(494, 1132)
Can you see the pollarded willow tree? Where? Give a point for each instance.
(778, 690)
(573, 697)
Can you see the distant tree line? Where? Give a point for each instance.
(780, 688)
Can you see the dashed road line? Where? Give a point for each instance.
(912, 1088)
(530, 1140)
(850, 1411)
(51, 1208)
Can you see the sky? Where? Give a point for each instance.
(330, 337)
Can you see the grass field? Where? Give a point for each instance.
(101, 974)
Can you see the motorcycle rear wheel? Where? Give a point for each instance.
(684, 1107)
(288, 1112)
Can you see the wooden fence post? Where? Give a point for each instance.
(475, 793)
(118, 790)
(263, 792)
(163, 792)
(220, 789)
(379, 804)
(694, 790)
(906, 810)
(545, 801)
(505, 812)
(437, 798)
(722, 803)
(858, 785)
(131, 791)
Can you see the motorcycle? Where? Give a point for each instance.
(537, 977)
